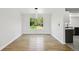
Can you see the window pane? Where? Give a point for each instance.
(36, 23)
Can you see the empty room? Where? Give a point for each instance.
(39, 29)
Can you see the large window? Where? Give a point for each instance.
(36, 23)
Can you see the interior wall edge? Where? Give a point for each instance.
(58, 39)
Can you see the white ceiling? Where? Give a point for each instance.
(40, 10)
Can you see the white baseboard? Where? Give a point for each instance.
(58, 39)
(36, 33)
(9, 42)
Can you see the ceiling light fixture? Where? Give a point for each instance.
(36, 8)
(36, 12)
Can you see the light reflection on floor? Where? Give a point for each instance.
(36, 43)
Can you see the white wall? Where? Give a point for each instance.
(66, 18)
(26, 24)
(75, 21)
(57, 24)
(10, 26)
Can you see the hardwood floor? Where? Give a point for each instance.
(36, 43)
